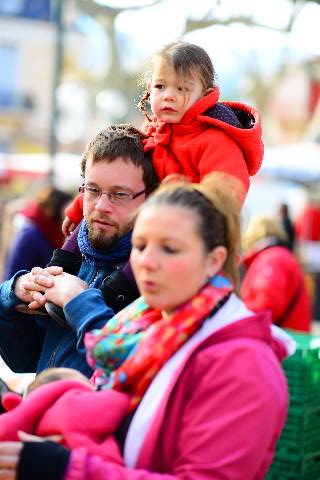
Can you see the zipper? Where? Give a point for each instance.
(95, 276)
(51, 362)
(94, 279)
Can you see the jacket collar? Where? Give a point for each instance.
(200, 106)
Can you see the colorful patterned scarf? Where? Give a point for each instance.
(132, 347)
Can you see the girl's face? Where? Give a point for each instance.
(171, 95)
(168, 256)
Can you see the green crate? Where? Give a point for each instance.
(303, 370)
(304, 395)
(289, 466)
(297, 455)
(305, 443)
(303, 419)
(301, 433)
(305, 341)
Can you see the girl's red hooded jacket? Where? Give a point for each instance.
(211, 136)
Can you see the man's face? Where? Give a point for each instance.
(108, 222)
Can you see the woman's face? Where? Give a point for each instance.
(168, 256)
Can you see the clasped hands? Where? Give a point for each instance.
(48, 284)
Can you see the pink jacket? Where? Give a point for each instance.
(214, 414)
(83, 417)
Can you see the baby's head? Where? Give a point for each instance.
(53, 374)
(180, 74)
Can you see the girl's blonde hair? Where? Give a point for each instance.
(216, 206)
(187, 59)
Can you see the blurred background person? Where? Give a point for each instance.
(285, 219)
(40, 232)
(273, 279)
(307, 223)
(307, 231)
(9, 228)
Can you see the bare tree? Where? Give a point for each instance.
(120, 79)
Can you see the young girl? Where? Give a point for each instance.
(191, 132)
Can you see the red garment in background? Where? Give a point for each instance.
(50, 228)
(307, 224)
(274, 281)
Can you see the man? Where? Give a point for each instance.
(117, 176)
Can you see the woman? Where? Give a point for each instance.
(208, 398)
(274, 280)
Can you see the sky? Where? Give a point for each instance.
(166, 20)
(231, 48)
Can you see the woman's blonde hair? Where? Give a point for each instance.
(216, 206)
(261, 227)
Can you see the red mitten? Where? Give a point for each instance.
(11, 400)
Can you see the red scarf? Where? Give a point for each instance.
(132, 347)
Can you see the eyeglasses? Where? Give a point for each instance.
(116, 197)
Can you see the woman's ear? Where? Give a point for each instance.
(216, 260)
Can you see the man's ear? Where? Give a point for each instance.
(217, 258)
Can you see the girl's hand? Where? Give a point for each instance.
(68, 226)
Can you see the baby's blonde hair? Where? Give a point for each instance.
(54, 374)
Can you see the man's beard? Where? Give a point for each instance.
(100, 240)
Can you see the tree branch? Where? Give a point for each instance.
(297, 6)
(96, 9)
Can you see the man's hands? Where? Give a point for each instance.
(66, 287)
(30, 288)
(48, 284)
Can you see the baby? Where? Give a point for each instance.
(63, 402)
